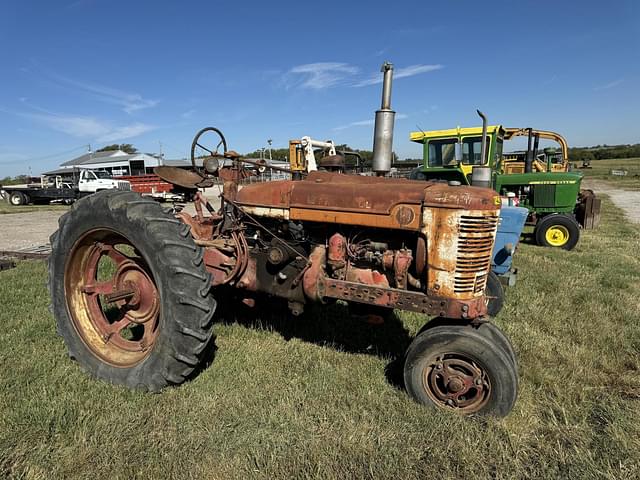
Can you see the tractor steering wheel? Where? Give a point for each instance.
(198, 147)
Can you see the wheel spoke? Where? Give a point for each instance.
(117, 256)
(99, 288)
(116, 327)
(205, 148)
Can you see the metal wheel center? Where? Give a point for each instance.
(557, 235)
(453, 380)
(143, 304)
(112, 297)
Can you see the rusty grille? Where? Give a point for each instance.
(475, 244)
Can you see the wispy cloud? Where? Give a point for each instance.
(365, 123)
(188, 114)
(130, 102)
(609, 85)
(321, 75)
(126, 131)
(88, 127)
(399, 73)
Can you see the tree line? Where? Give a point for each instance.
(601, 152)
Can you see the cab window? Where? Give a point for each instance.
(472, 150)
(442, 152)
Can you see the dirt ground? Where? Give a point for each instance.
(24, 230)
(627, 200)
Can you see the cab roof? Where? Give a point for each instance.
(452, 132)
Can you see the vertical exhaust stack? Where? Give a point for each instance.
(383, 132)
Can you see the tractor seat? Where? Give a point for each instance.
(232, 154)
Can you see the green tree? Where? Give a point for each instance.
(125, 147)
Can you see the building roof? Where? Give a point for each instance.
(99, 157)
(180, 162)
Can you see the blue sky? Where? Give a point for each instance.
(80, 72)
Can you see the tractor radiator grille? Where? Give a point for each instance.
(124, 186)
(475, 244)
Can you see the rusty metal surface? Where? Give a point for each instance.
(459, 250)
(588, 210)
(401, 299)
(181, 177)
(366, 201)
(454, 380)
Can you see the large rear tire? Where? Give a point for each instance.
(130, 292)
(456, 368)
(558, 231)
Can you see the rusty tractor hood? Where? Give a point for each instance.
(354, 199)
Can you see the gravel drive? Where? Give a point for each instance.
(627, 200)
(24, 230)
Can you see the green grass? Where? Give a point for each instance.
(308, 397)
(5, 207)
(601, 168)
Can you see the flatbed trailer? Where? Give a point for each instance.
(39, 193)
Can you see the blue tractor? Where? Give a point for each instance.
(502, 273)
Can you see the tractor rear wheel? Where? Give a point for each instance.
(457, 368)
(557, 230)
(129, 291)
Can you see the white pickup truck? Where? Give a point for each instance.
(92, 181)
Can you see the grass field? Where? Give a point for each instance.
(318, 397)
(601, 168)
(6, 208)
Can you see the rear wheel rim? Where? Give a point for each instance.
(557, 235)
(112, 298)
(457, 382)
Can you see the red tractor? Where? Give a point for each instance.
(134, 285)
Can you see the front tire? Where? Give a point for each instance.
(456, 368)
(130, 292)
(17, 198)
(557, 231)
(495, 295)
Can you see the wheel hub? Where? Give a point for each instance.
(557, 235)
(141, 300)
(456, 381)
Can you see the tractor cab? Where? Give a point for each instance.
(537, 178)
(452, 154)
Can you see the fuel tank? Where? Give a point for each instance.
(380, 202)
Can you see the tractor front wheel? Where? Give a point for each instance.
(558, 231)
(129, 291)
(494, 294)
(457, 368)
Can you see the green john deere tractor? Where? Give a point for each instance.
(543, 184)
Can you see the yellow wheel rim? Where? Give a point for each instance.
(557, 235)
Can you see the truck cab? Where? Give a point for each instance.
(91, 181)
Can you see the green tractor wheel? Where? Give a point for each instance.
(558, 231)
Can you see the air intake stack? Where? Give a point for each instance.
(383, 132)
